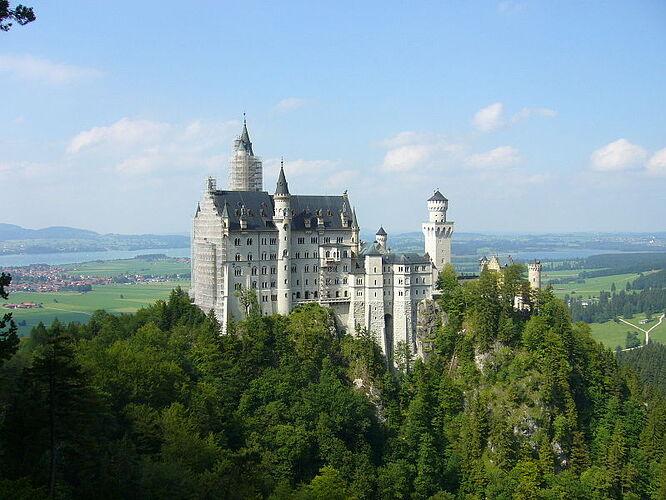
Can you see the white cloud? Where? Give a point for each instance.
(657, 163)
(122, 134)
(410, 150)
(618, 155)
(290, 103)
(499, 157)
(343, 178)
(405, 158)
(489, 118)
(526, 113)
(28, 67)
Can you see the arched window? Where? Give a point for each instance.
(254, 271)
(337, 294)
(238, 257)
(328, 254)
(263, 270)
(249, 256)
(345, 293)
(249, 241)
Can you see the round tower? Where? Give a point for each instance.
(534, 274)
(437, 207)
(282, 220)
(381, 237)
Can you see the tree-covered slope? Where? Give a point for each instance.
(157, 405)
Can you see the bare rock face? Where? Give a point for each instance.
(429, 316)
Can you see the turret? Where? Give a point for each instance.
(382, 237)
(437, 207)
(282, 220)
(245, 169)
(534, 274)
(437, 232)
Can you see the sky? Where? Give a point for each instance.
(529, 116)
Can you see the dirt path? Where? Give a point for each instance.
(67, 310)
(646, 332)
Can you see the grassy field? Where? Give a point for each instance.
(130, 266)
(614, 334)
(73, 306)
(591, 286)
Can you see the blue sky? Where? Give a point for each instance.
(531, 116)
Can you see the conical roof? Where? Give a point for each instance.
(437, 197)
(381, 231)
(243, 143)
(282, 187)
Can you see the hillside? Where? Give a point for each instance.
(508, 405)
(18, 240)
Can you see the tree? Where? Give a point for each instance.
(8, 339)
(248, 299)
(20, 14)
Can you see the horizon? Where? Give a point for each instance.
(530, 117)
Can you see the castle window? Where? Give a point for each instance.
(314, 268)
(313, 239)
(263, 241)
(272, 270)
(273, 241)
(399, 282)
(285, 252)
(238, 271)
(359, 281)
(345, 254)
(263, 255)
(316, 294)
(337, 294)
(328, 281)
(254, 285)
(345, 293)
(306, 282)
(249, 256)
(345, 268)
(272, 284)
(298, 295)
(298, 282)
(236, 241)
(249, 241)
(375, 284)
(329, 213)
(306, 269)
(344, 280)
(328, 254)
(238, 257)
(238, 286)
(400, 294)
(273, 256)
(298, 255)
(359, 293)
(273, 298)
(327, 239)
(307, 294)
(374, 270)
(264, 298)
(254, 271)
(337, 281)
(263, 270)
(339, 239)
(301, 241)
(307, 255)
(293, 269)
(264, 284)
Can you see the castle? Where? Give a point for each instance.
(295, 249)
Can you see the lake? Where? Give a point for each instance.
(55, 259)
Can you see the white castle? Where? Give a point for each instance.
(296, 249)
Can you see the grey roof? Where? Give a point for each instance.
(354, 219)
(381, 231)
(256, 207)
(282, 186)
(371, 250)
(305, 207)
(243, 142)
(437, 197)
(406, 258)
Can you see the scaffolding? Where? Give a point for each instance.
(245, 172)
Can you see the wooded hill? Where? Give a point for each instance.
(157, 405)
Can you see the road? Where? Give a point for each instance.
(646, 332)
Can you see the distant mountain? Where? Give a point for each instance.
(19, 240)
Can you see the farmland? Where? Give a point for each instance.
(75, 306)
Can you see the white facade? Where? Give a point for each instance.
(294, 249)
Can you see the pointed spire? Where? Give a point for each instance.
(243, 142)
(354, 219)
(381, 231)
(282, 186)
(225, 210)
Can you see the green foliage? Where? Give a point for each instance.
(157, 404)
(19, 14)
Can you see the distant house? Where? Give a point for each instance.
(645, 321)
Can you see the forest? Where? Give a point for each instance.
(157, 405)
(613, 304)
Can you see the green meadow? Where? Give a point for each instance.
(110, 268)
(75, 306)
(590, 287)
(614, 334)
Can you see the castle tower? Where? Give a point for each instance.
(282, 220)
(381, 237)
(534, 274)
(245, 169)
(437, 232)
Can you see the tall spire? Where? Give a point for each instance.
(243, 143)
(282, 186)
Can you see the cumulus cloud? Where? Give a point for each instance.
(489, 118)
(618, 155)
(290, 103)
(410, 150)
(32, 68)
(657, 164)
(138, 147)
(492, 118)
(499, 157)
